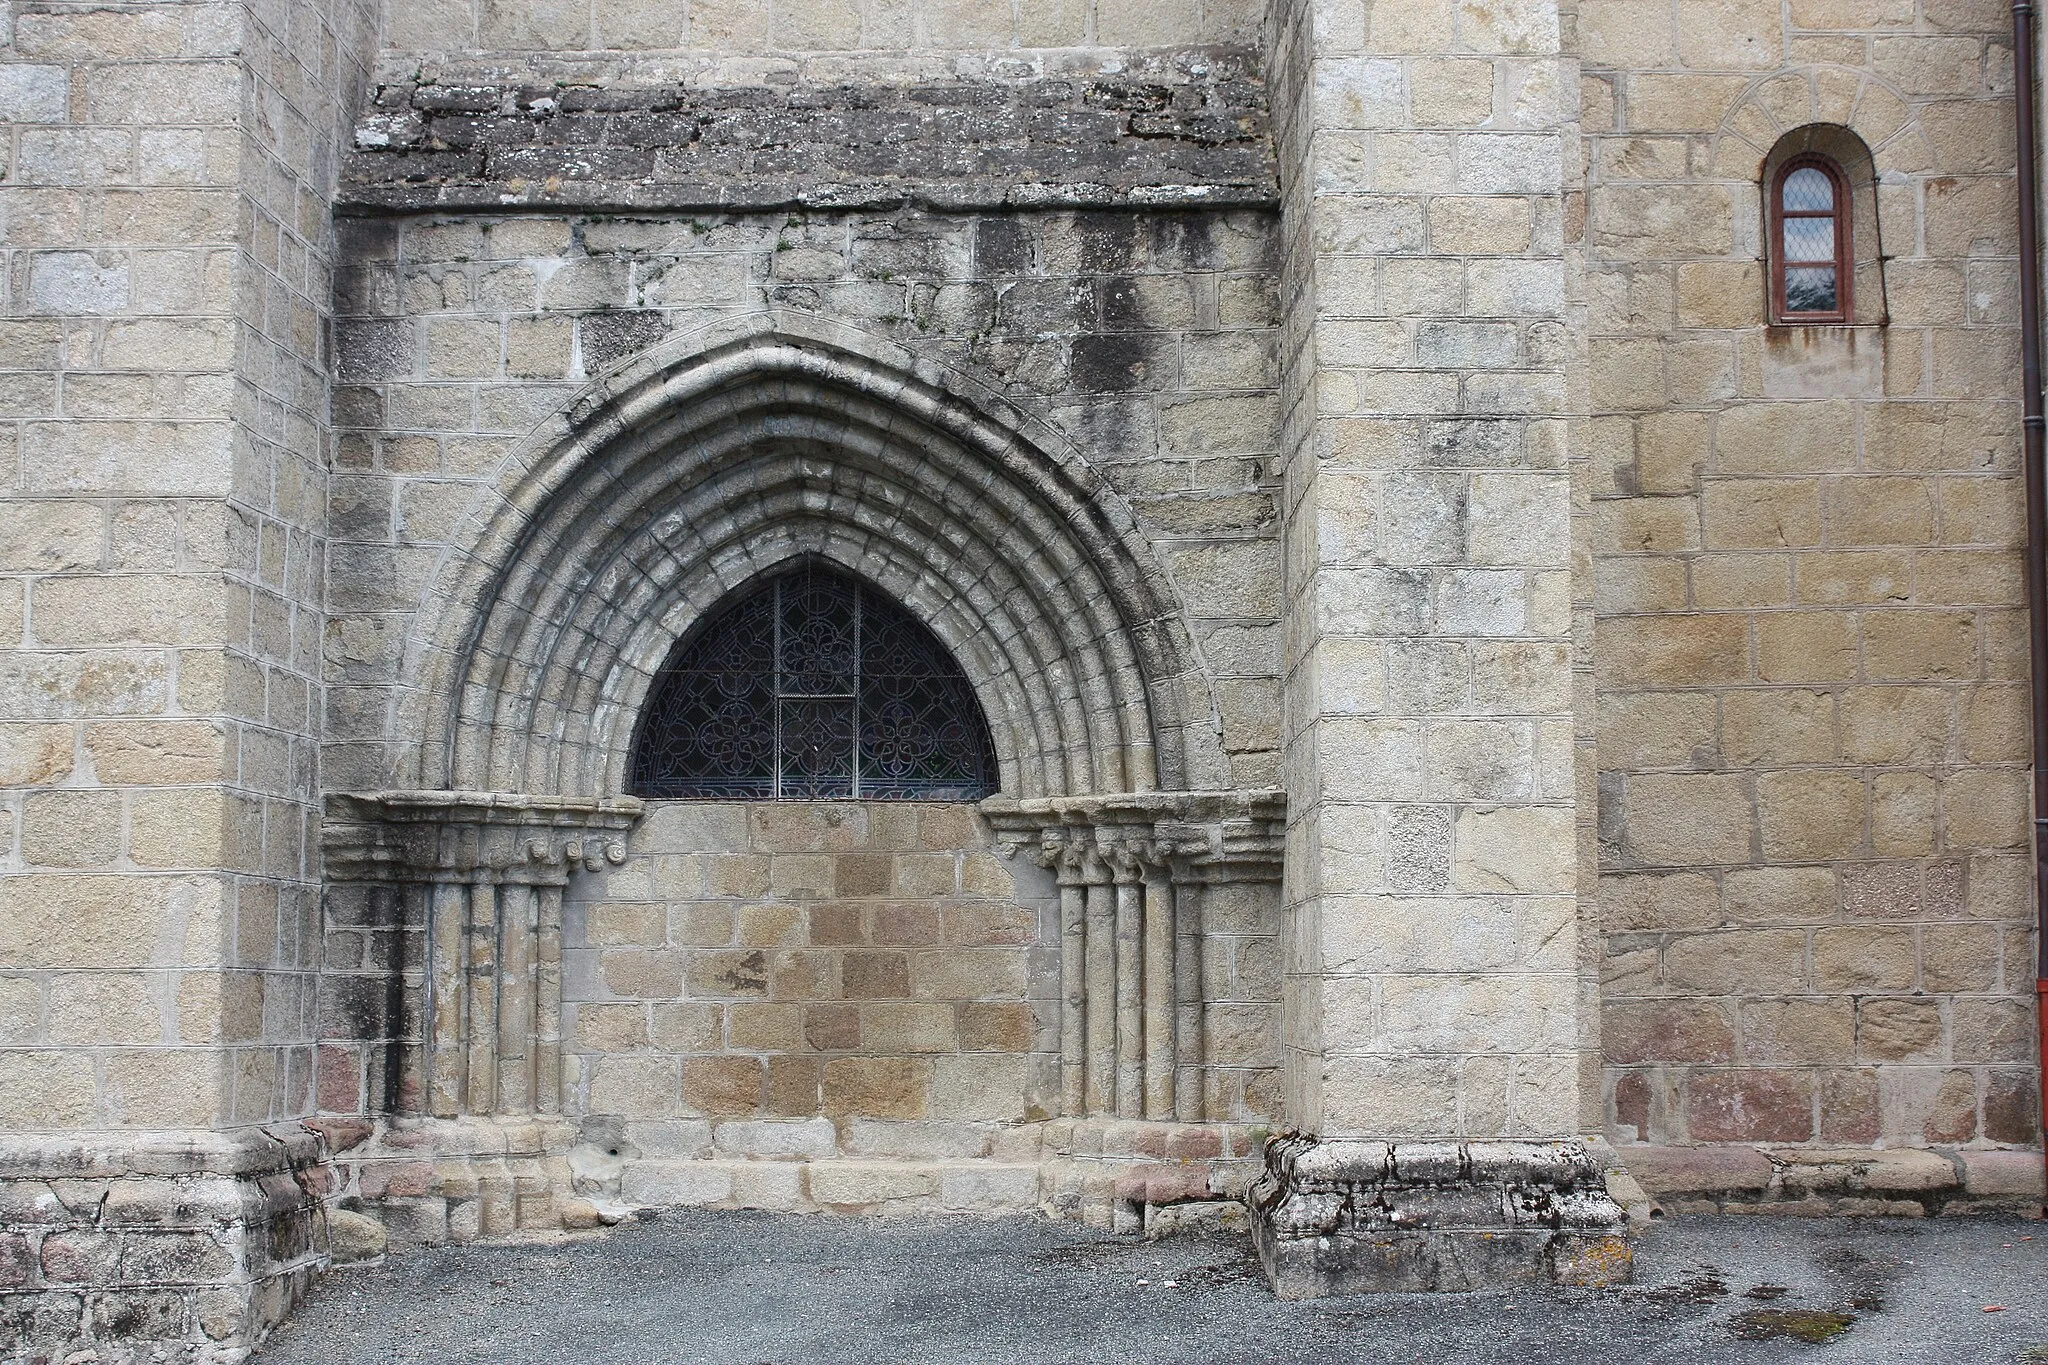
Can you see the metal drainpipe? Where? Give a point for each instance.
(2034, 428)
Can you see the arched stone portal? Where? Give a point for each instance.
(692, 469)
(799, 1004)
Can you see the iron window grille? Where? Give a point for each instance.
(812, 686)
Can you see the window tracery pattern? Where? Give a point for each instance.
(812, 686)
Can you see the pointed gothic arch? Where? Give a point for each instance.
(711, 460)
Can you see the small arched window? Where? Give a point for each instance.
(812, 686)
(1812, 260)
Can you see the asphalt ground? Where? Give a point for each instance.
(757, 1288)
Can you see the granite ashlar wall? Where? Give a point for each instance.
(1810, 648)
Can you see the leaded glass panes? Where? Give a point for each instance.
(813, 686)
(1810, 289)
(1809, 239)
(1809, 189)
(1809, 279)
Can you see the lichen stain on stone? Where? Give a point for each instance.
(1597, 1264)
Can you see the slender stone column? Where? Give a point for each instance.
(547, 1014)
(1073, 883)
(1099, 977)
(481, 1032)
(1130, 980)
(1130, 869)
(1429, 170)
(1161, 962)
(1188, 1104)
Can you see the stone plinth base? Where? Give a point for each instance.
(1346, 1216)
(1899, 1182)
(433, 1181)
(162, 1247)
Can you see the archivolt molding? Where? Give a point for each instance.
(712, 460)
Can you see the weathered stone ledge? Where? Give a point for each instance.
(1347, 1216)
(1160, 130)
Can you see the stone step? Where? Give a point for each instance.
(973, 1186)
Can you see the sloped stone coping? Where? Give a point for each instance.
(1170, 129)
(1352, 1216)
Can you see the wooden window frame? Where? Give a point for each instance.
(1845, 256)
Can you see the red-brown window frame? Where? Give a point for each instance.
(1844, 262)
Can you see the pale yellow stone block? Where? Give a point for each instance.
(34, 754)
(99, 1008)
(1628, 33)
(71, 828)
(1466, 225)
(1686, 819)
(144, 609)
(47, 1090)
(1811, 815)
(1682, 104)
(152, 753)
(1656, 729)
(171, 1088)
(184, 829)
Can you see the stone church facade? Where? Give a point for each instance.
(1496, 629)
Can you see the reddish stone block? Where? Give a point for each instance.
(397, 1179)
(17, 1262)
(81, 1258)
(832, 1028)
(1750, 1106)
(1632, 1102)
(2012, 1108)
(911, 924)
(834, 924)
(876, 976)
(1680, 1031)
(1163, 1184)
(342, 1134)
(337, 1079)
(1197, 1144)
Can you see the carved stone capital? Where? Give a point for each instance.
(452, 836)
(1189, 836)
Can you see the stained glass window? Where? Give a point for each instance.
(812, 686)
(1810, 275)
